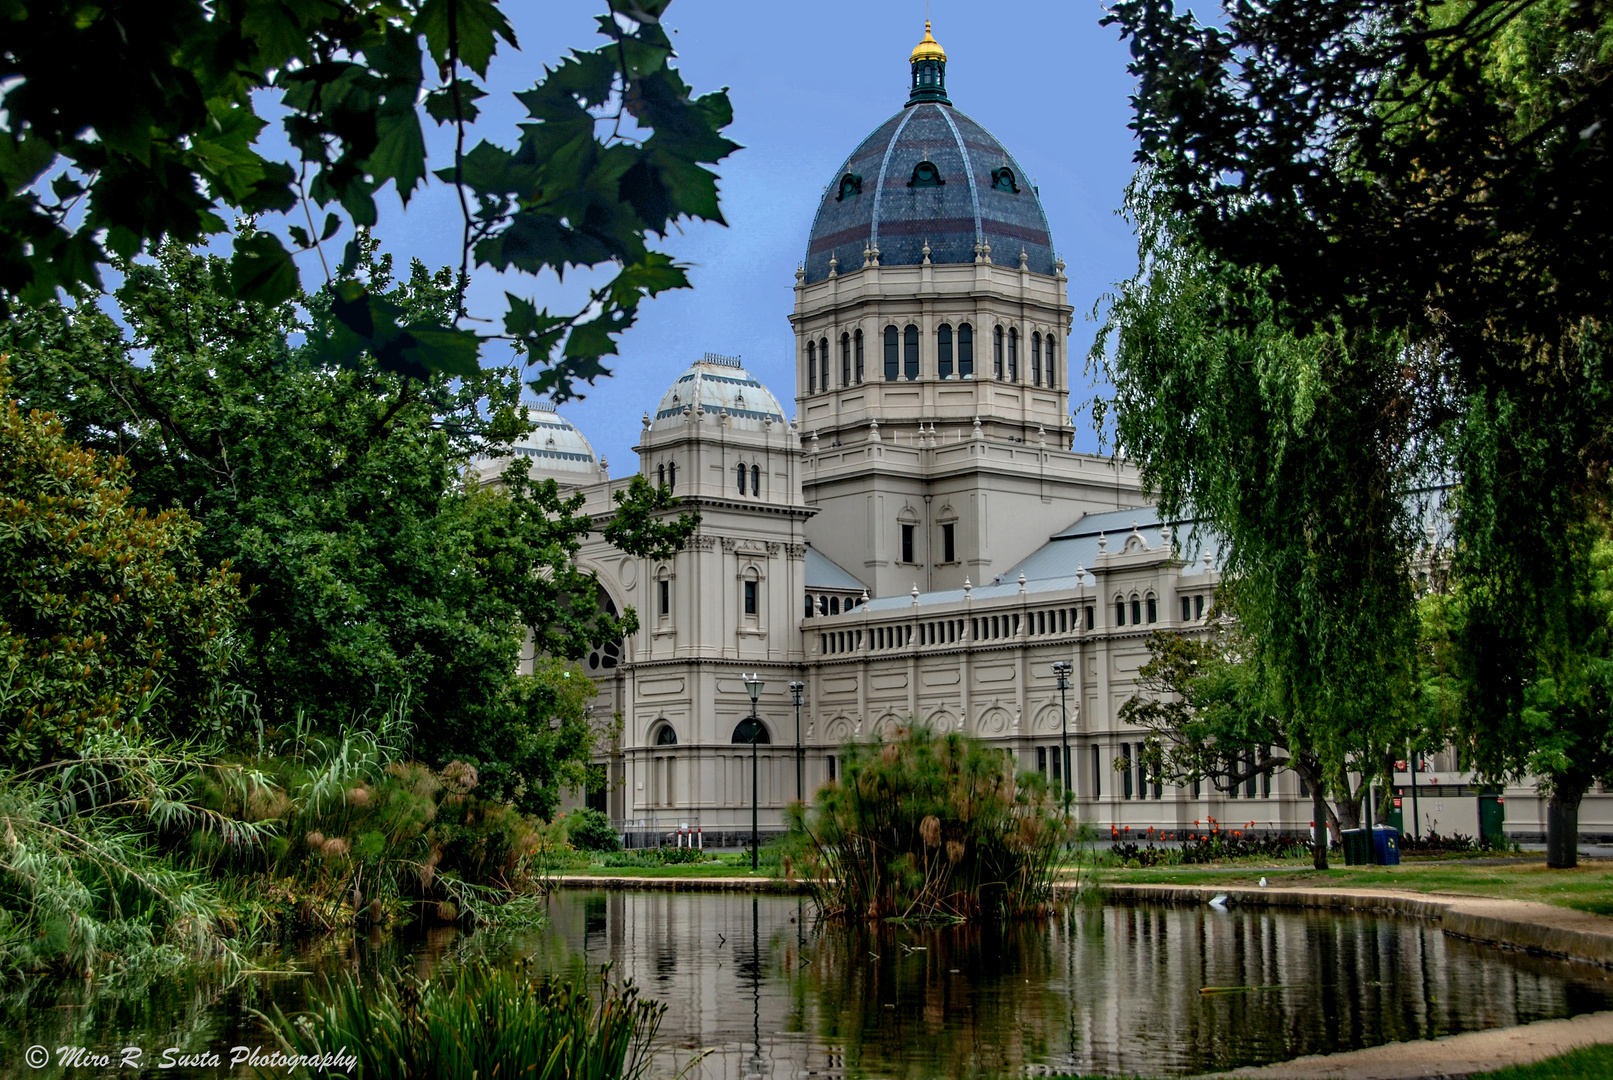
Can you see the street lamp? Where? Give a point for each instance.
(751, 727)
(1062, 670)
(795, 692)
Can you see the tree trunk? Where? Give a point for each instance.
(1562, 826)
(1319, 837)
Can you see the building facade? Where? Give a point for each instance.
(919, 544)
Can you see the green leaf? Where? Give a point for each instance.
(22, 162)
(477, 24)
(440, 102)
(445, 349)
(332, 225)
(262, 271)
(401, 153)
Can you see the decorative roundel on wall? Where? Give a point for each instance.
(839, 730)
(628, 572)
(994, 722)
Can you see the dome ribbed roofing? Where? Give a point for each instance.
(719, 383)
(555, 445)
(881, 199)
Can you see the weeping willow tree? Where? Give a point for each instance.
(1295, 448)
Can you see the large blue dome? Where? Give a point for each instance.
(929, 175)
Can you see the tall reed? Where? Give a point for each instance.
(481, 1022)
(929, 827)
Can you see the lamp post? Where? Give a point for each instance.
(795, 692)
(753, 687)
(1062, 670)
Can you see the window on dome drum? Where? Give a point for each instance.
(1052, 351)
(949, 548)
(1120, 613)
(943, 351)
(925, 174)
(997, 352)
(1153, 609)
(1036, 359)
(809, 605)
(891, 359)
(850, 184)
(845, 359)
(812, 367)
(823, 362)
(1003, 180)
(966, 351)
(910, 352)
(857, 345)
(741, 474)
(756, 484)
(907, 543)
(823, 605)
(666, 597)
(660, 475)
(834, 605)
(750, 597)
(672, 476)
(1013, 355)
(1136, 610)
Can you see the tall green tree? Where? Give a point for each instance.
(1440, 170)
(378, 572)
(1294, 451)
(132, 122)
(109, 619)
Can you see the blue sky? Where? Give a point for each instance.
(808, 83)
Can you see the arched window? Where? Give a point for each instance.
(925, 174)
(1120, 611)
(1153, 607)
(1052, 357)
(755, 479)
(672, 476)
(943, 351)
(609, 654)
(811, 608)
(966, 351)
(749, 731)
(850, 184)
(845, 359)
(660, 475)
(665, 736)
(910, 352)
(1136, 609)
(834, 605)
(1036, 359)
(1013, 355)
(823, 363)
(1003, 180)
(857, 346)
(997, 352)
(823, 605)
(891, 359)
(812, 367)
(741, 474)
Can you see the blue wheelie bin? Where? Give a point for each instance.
(1385, 845)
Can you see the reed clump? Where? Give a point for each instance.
(480, 1022)
(929, 827)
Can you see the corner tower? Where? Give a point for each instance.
(931, 322)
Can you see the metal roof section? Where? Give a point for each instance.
(718, 384)
(823, 572)
(555, 446)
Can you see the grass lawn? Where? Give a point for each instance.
(1588, 887)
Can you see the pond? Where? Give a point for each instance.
(752, 985)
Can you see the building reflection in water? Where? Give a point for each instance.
(1114, 990)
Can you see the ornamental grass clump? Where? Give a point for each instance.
(480, 1022)
(929, 828)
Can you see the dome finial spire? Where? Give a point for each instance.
(929, 62)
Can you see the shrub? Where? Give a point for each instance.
(664, 856)
(483, 1023)
(928, 827)
(590, 830)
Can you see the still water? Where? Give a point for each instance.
(753, 989)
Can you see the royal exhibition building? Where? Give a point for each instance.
(913, 541)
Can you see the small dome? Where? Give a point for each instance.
(929, 48)
(718, 383)
(555, 445)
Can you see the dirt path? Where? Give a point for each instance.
(1468, 1054)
